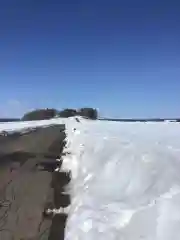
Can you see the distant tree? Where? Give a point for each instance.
(67, 113)
(90, 113)
(40, 114)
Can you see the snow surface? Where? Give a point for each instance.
(22, 125)
(125, 180)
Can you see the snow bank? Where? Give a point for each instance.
(125, 180)
(19, 126)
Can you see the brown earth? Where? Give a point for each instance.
(28, 185)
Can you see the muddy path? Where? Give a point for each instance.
(28, 185)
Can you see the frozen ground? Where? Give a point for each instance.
(126, 181)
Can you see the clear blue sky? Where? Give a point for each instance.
(120, 56)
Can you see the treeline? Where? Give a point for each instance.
(10, 119)
(90, 113)
(141, 119)
(43, 114)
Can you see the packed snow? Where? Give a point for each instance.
(125, 180)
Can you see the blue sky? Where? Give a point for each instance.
(122, 57)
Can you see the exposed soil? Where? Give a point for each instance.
(29, 185)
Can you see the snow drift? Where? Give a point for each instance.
(125, 180)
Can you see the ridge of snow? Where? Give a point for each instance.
(125, 180)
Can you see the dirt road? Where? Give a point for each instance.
(27, 163)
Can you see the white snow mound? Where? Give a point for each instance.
(125, 180)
